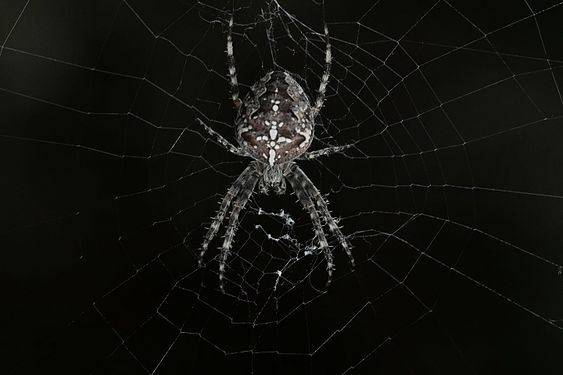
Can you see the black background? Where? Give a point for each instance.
(452, 194)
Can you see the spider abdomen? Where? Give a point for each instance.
(275, 121)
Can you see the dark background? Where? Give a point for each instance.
(451, 196)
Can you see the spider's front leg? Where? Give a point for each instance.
(316, 196)
(238, 205)
(309, 206)
(232, 193)
(221, 140)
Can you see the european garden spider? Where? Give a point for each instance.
(275, 124)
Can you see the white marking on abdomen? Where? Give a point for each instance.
(307, 134)
(273, 134)
(272, 157)
(243, 129)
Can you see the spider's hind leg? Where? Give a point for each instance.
(326, 75)
(232, 67)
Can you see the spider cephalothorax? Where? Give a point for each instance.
(275, 126)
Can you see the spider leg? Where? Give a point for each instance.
(301, 192)
(232, 67)
(221, 140)
(324, 151)
(238, 205)
(325, 213)
(324, 79)
(225, 203)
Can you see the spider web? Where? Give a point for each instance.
(451, 194)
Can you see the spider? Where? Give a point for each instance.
(275, 124)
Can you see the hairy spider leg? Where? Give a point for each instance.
(221, 140)
(324, 79)
(233, 191)
(232, 67)
(324, 151)
(238, 205)
(298, 185)
(325, 213)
